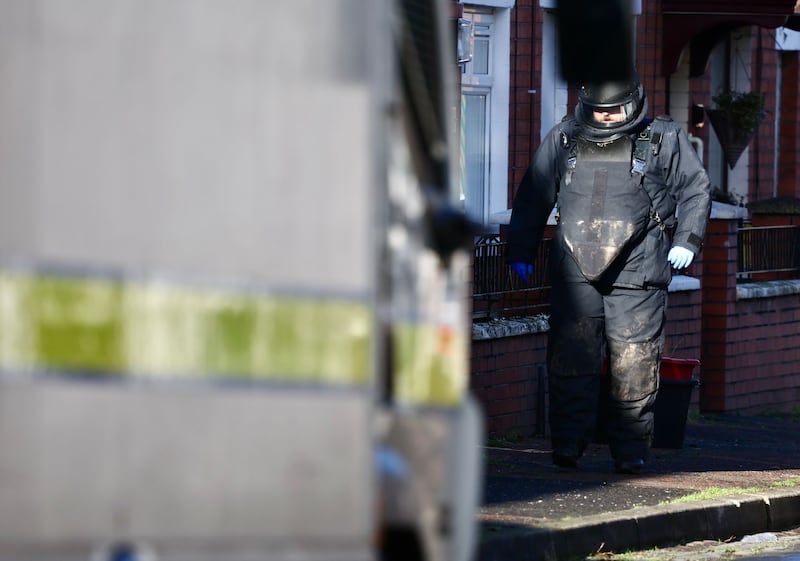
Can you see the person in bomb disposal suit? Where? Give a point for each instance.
(632, 199)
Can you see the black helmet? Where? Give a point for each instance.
(625, 97)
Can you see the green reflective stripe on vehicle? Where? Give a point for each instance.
(430, 365)
(91, 325)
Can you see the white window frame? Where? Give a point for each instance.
(495, 188)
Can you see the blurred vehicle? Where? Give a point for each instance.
(233, 319)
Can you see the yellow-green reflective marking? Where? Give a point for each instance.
(108, 326)
(430, 364)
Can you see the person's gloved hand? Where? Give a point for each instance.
(680, 257)
(523, 270)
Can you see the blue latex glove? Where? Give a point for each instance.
(680, 257)
(523, 270)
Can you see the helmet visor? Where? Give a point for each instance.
(608, 115)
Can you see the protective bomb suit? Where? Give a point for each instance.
(632, 197)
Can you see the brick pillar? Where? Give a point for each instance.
(789, 126)
(718, 307)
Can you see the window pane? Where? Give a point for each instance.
(480, 54)
(475, 157)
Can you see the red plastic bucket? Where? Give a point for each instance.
(671, 368)
(678, 368)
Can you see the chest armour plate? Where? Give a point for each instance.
(602, 207)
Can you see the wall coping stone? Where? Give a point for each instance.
(767, 289)
(724, 211)
(510, 327)
(682, 283)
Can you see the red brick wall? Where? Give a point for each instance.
(504, 380)
(763, 366)
(789, 131)
(684, 325)
(762, 147)
(750, 356)
(526, 74)
(719, 299)
(649, 41)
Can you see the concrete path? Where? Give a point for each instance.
(535, 511)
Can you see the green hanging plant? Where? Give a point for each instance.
(735, 117)
(746, 109)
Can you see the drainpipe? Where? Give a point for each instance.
(697, 142)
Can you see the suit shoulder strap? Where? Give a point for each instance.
(659, 126)
(648, 143)
(569, 128)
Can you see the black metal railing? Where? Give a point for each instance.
(765, 253)
(768, 249)
(497, 291)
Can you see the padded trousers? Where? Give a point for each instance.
(590, 325)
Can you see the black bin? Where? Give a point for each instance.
(670, 411)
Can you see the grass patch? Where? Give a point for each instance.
(717, 492)
(694, 417)
(504, 441)
(792, 414)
